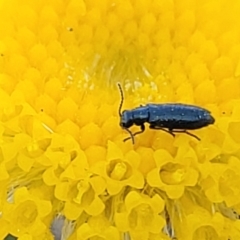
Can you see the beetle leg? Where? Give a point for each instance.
(134, 134)
(163, 129)
(185, 131)
(142, 130)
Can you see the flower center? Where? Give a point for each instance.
(27, 213)
(172, 173)
(118, 170)
(141, 216)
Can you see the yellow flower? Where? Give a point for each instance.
(61, 147)
(27, 213)
(202, 225)
(99, 228)
(140, 215)
(172, 175)
(220, 183)
(118, 170)
(81, 196)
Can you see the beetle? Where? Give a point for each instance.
(169, 117)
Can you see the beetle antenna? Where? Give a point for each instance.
(131, 135)
(121, 103)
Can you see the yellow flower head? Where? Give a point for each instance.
(66, 171)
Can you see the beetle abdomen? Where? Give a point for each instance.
(179, 116)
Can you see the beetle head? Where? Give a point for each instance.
(211, 119)
(126, 119)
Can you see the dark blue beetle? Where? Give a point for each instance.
(169, 117)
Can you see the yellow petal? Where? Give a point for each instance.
(72, 210)
(3, 172)
(113, 152)
(98, 184)
(24, 162)
(49, 177)
(4, 230)
(95, 207)
(61, 191)
(25, 237)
